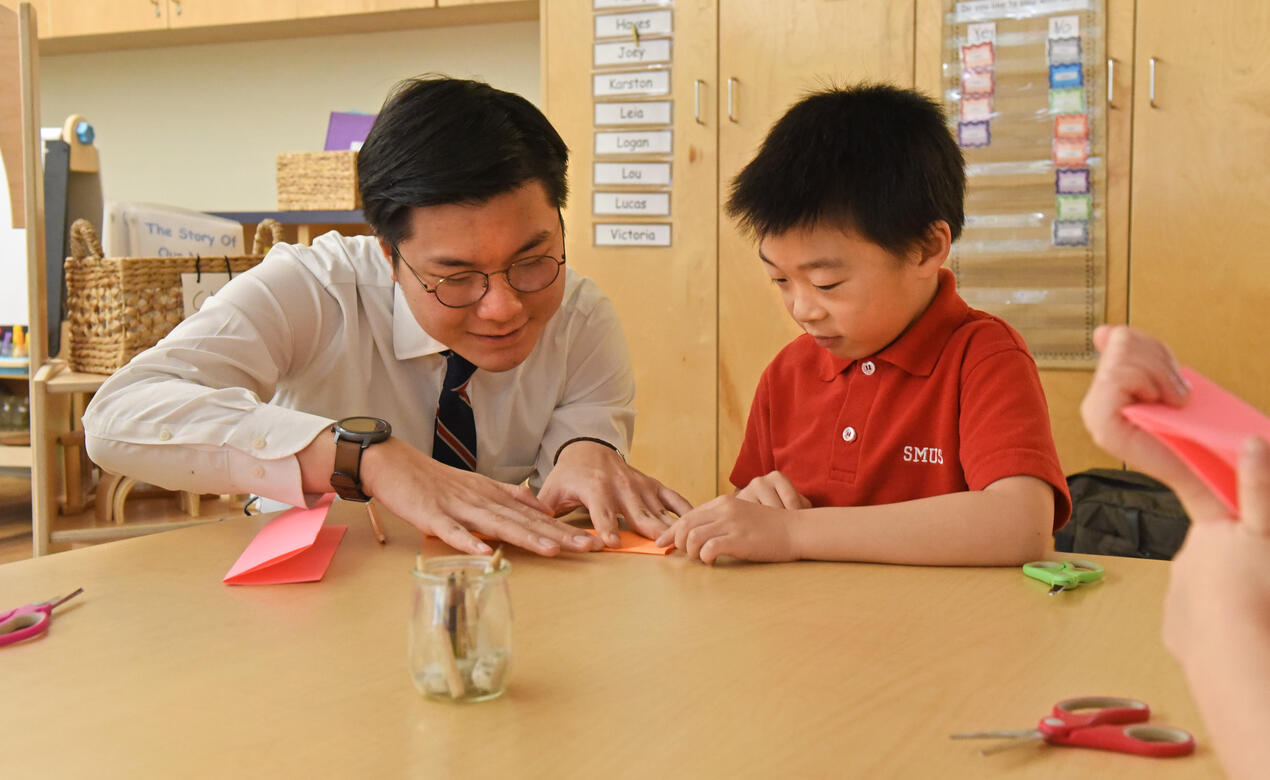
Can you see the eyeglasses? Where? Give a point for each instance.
(530, 275)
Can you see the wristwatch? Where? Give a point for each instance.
(352, 436)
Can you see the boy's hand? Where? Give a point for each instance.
(732, 526)
(775, 490)
(596, 477)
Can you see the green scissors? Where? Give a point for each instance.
(1063, 575)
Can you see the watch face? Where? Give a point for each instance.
(362, 424)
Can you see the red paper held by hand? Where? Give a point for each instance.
(1207, 432)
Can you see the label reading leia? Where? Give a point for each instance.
(609, 234)
(652, 112)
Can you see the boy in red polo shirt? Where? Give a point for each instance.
(902, 426)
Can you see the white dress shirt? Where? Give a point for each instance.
(317, 333)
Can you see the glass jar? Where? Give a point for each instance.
(460, 633)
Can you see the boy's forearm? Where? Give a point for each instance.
(1229, 674)
(973, 528)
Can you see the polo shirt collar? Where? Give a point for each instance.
(918, 348)
(409, 339)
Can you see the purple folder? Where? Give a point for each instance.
(347, 130)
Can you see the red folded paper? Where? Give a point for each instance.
(292, 547)
(1207, 432)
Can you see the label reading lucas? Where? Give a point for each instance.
(646, 204)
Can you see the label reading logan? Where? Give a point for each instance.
(651, 142)
(609, 234)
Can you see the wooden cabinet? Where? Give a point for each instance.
(207, 13)
(1201, 211)
(770, 55)
(69, 18)
(699, 316)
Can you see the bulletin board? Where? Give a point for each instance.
(1025, 91)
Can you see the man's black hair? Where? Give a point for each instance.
(440, 140)
(875, 159)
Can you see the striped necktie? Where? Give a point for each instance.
(454, 443)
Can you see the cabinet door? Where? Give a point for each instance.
(1201, 208)
(770, 54)
(208, 13)
(62, 18)
(666, 297)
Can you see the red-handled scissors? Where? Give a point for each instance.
(26, 622)
(1097, 722)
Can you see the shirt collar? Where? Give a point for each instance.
(918, 348)
(409, 339)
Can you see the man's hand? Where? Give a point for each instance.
(451, 503)
(729, 525)
(775, 490)
(593, 476)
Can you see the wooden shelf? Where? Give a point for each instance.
(15, 457)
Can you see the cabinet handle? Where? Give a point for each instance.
(696, 100)
(1151, 82)
(157, 12)
(1111, 82)
(177, 4)
(731, 98)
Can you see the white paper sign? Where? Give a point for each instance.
(630, 53)
(13, 302)
(608, 234)
(197, 288)
(625, 25)
(983, 10)
(647, 204)
(646, 174)
(1064, 26)
(608, 5)
(653, 112)
(646, 82)
(651, 142)
(981, 32)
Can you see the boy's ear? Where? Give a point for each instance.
(933, 248)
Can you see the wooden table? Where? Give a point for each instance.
(625, 666)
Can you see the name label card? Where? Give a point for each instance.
(656, 112)
(646, 204)
(651, 142)
(609, 234)
(625, 25)
(648, 174)
(644, 82)
(628, 52)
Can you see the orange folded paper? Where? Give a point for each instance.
(631, 543)
(292, 547)
(1207, 432)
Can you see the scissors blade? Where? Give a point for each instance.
(1015, 734)
(1031, 738)
(1057, 589)
(55, 603)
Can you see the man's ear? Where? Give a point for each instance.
(386, 248)
(932, 249)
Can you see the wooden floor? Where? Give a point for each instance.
(15, 516)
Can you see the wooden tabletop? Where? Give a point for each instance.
(625, 666)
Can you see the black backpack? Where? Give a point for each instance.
(1118, 512)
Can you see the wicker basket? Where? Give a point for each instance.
(318, 181)
(120, 306)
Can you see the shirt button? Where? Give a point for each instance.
(258, 472)
(259, 443)
(868, 368)
(848, 434)
(165, 434)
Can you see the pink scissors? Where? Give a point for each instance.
(1095, 722)
(26, 622)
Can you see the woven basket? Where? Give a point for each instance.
(318, 181)
(120, 306)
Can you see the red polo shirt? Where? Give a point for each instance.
(953, 404)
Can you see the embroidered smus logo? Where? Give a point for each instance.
(923, 455)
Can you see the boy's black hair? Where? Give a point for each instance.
(440, 140)
(873, 158)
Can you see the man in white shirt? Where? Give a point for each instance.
(260, 391)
